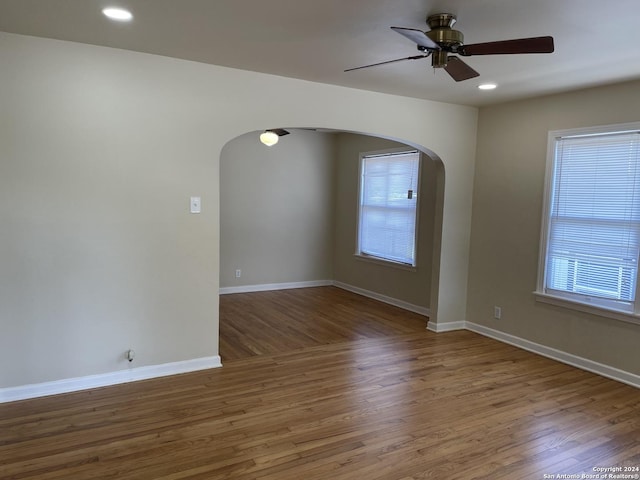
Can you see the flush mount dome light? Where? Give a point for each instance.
(487, 86)
(269, 138)
(119, 14)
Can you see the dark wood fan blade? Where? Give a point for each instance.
(459, 70)
(281, 132)
(415, 57)
(505, 47)
(417, 36)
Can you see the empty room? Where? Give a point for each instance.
(393, 240)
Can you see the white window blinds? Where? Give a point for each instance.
(388, 205)
(594, 218)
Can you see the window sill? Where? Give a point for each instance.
(588, 308)
(385, 263)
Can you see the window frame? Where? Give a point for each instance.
(381, 260)
(580, 302)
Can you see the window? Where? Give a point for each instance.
(591, 238)
(388, 206)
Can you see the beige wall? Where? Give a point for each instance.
(408, 286)
(507, 209)
(276, 209)
(100, 150)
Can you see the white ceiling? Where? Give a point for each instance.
(596, 41)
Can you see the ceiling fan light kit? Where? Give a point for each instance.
(441, 41)
(271, 137)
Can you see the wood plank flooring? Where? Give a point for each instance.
(402, 406)
(277, 321)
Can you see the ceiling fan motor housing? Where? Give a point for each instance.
(442, 33)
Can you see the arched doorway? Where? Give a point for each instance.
(288, 218)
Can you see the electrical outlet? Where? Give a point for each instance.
(497, 312)
(238, 273)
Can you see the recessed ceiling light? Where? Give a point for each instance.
(487, 86)
(119, 14)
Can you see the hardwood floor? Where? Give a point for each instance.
(363, 405)
(278, 321)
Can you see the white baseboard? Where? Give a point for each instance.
(68, 385)
(383, 298)
(446, 326)
(265, 287)
(564, 357)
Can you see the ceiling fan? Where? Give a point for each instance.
(441, 41)
(270, 137)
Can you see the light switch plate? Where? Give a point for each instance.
(195, 205)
